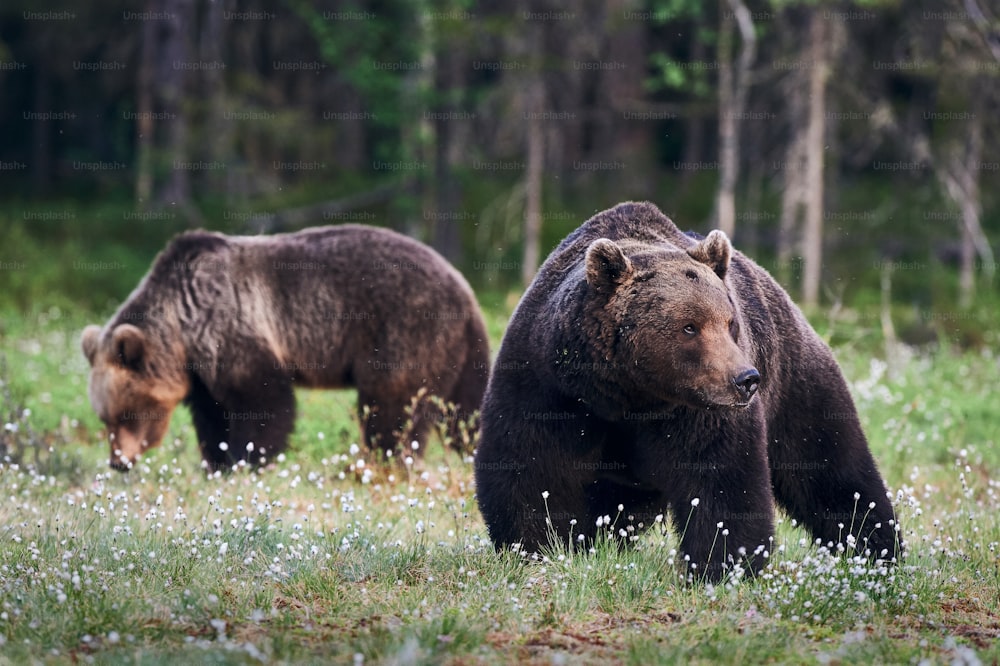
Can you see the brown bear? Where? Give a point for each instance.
(229, 324)
(649, 369)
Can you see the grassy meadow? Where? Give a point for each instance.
(330, 557)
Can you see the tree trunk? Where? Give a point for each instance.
(175, 59)
(219, 131)
(694, 134)
(971, 212)
(534, 102)
(793, 92)
(733, 87)
(793, 191)
(725, 207)
(449, 84)
(966, 270)
(418, 139)
(618, 89)
(41, 145)
(144, 139)
(812, 251)
(446, 237)
(960, 176)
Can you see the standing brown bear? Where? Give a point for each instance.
(229, 324)
(648, 369)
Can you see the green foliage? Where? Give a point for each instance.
(69, 253)
(371, 57)
(674, 74)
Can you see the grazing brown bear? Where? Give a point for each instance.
(229, 324)
(650, 369)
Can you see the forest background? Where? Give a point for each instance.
(850, 147)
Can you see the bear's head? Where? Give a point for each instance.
(672, 320)
(134, 388)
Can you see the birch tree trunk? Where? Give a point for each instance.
(812, 240)
(733, 87)
(535, 101)
(960, 177)
(793, 192)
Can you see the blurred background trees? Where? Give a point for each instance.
(840, 142)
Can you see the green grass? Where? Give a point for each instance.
(317, 561)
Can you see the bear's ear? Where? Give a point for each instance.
(129, 344)
(607, 265)
(88, 342)
(715, 251)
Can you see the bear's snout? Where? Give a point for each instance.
(746, 383)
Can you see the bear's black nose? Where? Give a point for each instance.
(747, 383)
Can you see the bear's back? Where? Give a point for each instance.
(351, 252)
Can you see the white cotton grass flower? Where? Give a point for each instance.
(695, 502)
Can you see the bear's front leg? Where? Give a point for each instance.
(535, 478)
(210, 424)
(718, 488)
(823, 472)
(248, 422)
(265, 419)
(722, 522)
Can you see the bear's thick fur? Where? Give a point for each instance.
(650, 369)
(229, 324)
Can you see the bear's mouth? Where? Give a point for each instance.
(740, 402)
(731, 406)
(706, 401)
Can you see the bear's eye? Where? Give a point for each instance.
(734, 329)
(691, 329)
